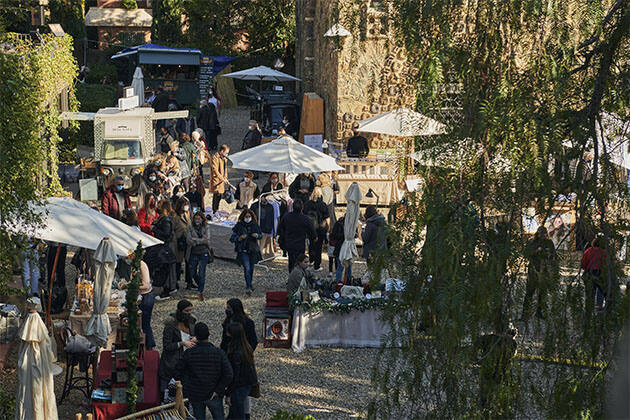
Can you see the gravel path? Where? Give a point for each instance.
(326, 383)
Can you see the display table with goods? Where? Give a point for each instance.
(347, 317)
(82, 309)
(220, 232)
(110, 385)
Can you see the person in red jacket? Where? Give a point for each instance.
(147, 214)
(593, 261)
(116, 199)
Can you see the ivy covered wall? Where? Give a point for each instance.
(35, 81)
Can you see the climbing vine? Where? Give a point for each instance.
(133, 333)
(32, 78)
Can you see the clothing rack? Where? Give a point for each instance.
(176, 410)
(259, 263)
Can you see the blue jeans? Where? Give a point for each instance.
(197, 266)
(339, 273)
(248, 268)
(30, 271)
(237, 398)
(146, 306)
(215, 406)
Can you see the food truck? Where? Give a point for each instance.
(124, 138)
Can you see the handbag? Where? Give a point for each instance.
(255, 391)
(228, 195)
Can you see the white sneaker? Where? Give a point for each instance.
(317, 270)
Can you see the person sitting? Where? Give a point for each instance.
(116, 199)
(300, 272)
(205, 372)
(177, 337)
(357, 145)
(246, 191)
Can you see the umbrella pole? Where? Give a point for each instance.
(260, 86)
(50, 283)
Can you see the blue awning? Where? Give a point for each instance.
(220, 62)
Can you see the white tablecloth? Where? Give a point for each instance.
(220, 240)
(328, 329)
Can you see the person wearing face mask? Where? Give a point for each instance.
(246, 191)
(245, 236)
(289, 127)
(300, 271)
(273, 183)
(357, 146)
(147, 214)
(177, 338)
(195, 199)
(181, 221)
(116, 199)
(198, 250)
(178, 192)
(264, 212)
(218, 175)
(253, 136)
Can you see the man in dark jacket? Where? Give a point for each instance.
(373, 236)
(293, 230)
(116, 199)
(357, 145)
(160, 104)
(208, 121)
(302, 187)
(205, 373)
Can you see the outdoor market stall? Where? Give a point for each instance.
(380, 172)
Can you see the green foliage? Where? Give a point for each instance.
(91, 98)
(7, 405)
(166, 28)
(285, 415)
(531, 97)
(133, 333)
(129, 4)
(215, 26)
(14, 17)
(70, 14)
(325, 305)
(100, 71)
(31, 79)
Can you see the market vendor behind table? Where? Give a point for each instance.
(357, 145)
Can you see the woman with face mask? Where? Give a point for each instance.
(176, 339)
(245, 236)
(181, 221)
(147, 214)
(273, 183)
(253, 136)
(198, 250)
(246, 191)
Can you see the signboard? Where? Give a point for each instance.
(89, 189)
(124, 128)
(205, 76)
(314, 141)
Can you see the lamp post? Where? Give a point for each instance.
(371, 194)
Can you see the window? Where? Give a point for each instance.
(122, 149)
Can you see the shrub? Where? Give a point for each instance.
(91, 98)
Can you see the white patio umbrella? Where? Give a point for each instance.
(98, 328)
(138, 85)
(36, 390)
(262, 73)
(402, 122)
(348, 250)
(284, 155)
(71, 222)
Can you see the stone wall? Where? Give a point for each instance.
(357, 76)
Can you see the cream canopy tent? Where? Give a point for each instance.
(68, 221)
(284, 155)
(402, 122)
